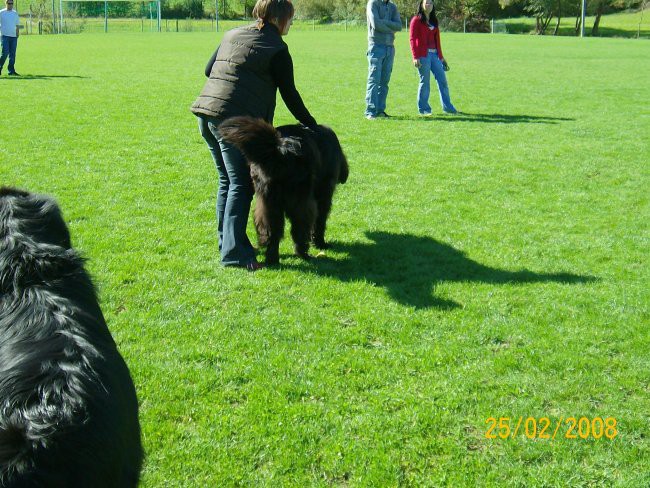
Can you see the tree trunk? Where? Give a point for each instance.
(559, 17)
(599, 13)
(578, 23)
(545, 23)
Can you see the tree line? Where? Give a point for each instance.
(475, 15)
(454, 15)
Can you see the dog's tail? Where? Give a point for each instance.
(257, 139)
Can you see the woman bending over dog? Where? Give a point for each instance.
(244, 74)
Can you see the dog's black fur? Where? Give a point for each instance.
(68, 406)
(295, 170)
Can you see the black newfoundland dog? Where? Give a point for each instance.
(295, 171)
(68, 407)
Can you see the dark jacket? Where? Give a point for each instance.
(240, 82)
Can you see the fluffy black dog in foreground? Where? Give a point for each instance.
(68, 407)
(295, 171)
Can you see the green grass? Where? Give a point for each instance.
(492, 264)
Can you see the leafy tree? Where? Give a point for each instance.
(315, 9)
(543, 11)
(349, 9)
(597, 9)
(194, 9)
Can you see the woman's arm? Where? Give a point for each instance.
(282, 73)
(208, 67)
(413, 34)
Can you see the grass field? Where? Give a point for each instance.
(491, 264)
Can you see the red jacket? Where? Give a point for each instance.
(421, 37)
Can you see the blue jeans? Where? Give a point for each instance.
(428, 65)
(380, 67)
(9, 45)
(233, 197)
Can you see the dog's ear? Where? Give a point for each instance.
(290, 145)
(37, 217)
(8, 191)
(28, 264)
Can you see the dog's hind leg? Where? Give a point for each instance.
(324, 206)
(302, 217)
(269, 224)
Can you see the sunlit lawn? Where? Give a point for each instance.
(492, 264)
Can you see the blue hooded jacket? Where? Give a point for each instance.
(383, 22)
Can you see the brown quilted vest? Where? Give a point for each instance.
(240, 82)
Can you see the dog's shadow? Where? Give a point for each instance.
(410, 267)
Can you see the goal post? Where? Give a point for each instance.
(154, 5)
(498, 27)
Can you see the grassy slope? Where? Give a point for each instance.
(622, 24)
(490, 264)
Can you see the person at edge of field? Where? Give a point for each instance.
(9, 29)
(427, 57)
(383, 23)
(244, 74)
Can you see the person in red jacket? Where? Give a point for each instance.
(424, 35)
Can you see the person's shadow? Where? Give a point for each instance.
(39, 77)
(410, 267)
(486, 118)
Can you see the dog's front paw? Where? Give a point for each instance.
(303, 255)
(263, 240)
(321, 245)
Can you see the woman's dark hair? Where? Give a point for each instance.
(433, 18)
(267, 10)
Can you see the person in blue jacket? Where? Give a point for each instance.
(383, 23)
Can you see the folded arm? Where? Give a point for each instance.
(377, 23)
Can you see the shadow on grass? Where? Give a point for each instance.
(410, 267)
(486, 118)
(39, 77)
